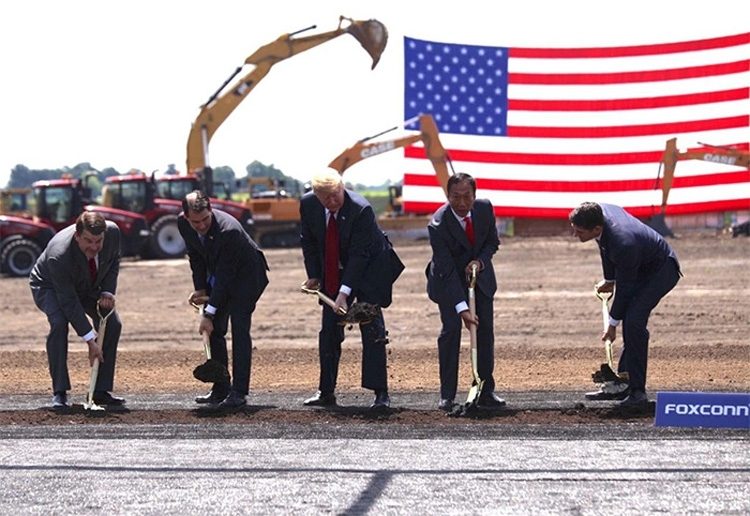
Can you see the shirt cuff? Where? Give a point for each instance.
(210, 309)
(345, 290)
(613, 322)
(89, 336)
(461, 307)
(608, 280)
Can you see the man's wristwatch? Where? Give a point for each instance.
(208, 316)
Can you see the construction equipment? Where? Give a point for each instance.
(607, 371)
(276, 220)
(159, 200)
(712, 153)
(21, 242)
(59, 202)
(429, 137)
(15, 201)
(89, 404)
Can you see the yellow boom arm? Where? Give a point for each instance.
(428, 134)
(671, 156)
(371, 34)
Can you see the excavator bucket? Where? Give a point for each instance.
(372, 35)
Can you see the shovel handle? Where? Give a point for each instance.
(327, 300)
(100, 342)
(206, 337)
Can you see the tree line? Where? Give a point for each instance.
(22, 176)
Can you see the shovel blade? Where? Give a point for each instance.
(473, 398)
(91, 406)
(211, 371)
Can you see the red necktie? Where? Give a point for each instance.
(92, 269)
(469, 230)
(332, 257)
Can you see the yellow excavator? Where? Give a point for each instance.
(712, 153)
(433, 148)
(276, 219)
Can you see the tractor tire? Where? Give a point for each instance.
(165, 240)
(19, 256)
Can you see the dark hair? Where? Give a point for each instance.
(462, 177)
(196, 201)
(91, 221)
(587, 216)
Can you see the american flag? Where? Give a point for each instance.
(544, 129)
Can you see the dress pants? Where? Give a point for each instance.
(240, 315)
(449, 346)
(635, 335)
(374, 340)
(57, 341)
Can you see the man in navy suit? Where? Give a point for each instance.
(349, 258)
(229, 276)
(77, 270)
(463, 233)
(641, 268)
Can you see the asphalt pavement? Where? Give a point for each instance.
(211, 467)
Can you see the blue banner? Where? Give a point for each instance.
(703, 409)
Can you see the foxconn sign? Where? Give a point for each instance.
(703, 409)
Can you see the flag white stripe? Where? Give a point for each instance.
(686, 168)
(500, 198)
(591, 146)
(630, 63)
(628, 116)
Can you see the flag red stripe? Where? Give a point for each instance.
(617, 131)
(521, 158)
(637, 50)
(562, 213)
(634, 103)
(627, 77)
(623, 185)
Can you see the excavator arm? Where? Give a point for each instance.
(723, 155)
(371, 34)
(428, 135)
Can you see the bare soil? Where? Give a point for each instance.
(547, 324)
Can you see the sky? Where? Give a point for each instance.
(118, 84)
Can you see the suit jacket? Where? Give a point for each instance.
(631, 252)
(64, 268)
(370, 265)
(451, 253)
(228, 255)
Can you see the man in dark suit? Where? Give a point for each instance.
(641, 268)
(229, 276)
(349, 258)
(463, 233)
(77, 269)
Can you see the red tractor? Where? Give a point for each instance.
(160, 201)
(21, 242)
(58, 203)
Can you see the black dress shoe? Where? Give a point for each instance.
(214, 397)
(382, 400)
(234, 400)
(321, 399)
(636, 399)
(446, 404)
(105, 398)
(60, 400)
(491, 401)
(609, 391)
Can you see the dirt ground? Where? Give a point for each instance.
(547, 324)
